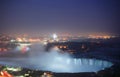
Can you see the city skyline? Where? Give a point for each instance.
(34, 17)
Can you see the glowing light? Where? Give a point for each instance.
(5, 74)
(19, 39)
(45, 43)
(23, 49)
(12, 40)
(13, 69)
(54, 36)
(100, 36)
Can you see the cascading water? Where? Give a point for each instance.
(55, 62)
(78, 65)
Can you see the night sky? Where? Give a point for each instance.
(60, 16)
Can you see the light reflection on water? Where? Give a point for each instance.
(66, 65)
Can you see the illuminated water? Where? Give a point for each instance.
(78, 65)
(55, 62)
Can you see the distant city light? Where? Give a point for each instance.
(12, 40)
(55, 36)
(45, 43)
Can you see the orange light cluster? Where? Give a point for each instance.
(5, 74)
(62, 46)
(100, 36)
(3, 49)
(34, 40)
